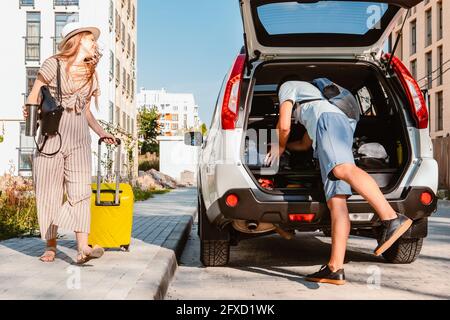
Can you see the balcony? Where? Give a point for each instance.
(66, 3)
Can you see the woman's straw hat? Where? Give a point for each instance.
(74, 28)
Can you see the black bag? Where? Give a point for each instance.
(51, 111)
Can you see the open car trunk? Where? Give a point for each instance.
(381, 123)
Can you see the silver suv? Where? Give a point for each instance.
(239, 198)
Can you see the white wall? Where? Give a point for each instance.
(176, 157)
(150, 98)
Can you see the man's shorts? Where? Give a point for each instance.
(334, 142)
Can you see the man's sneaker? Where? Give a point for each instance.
(325, 275)
(392, 230)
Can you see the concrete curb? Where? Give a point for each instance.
(161, 270)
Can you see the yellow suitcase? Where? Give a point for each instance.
(111, 210)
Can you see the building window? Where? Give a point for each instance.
(440, 111)
(26, 149)
(33, 37)
(133, 17)
(174, 126)
(429, 69)
(440, 22)
(111, 65)
(429, 27)
(175, 117)
(66, 3)
(129, 46)
(26, 3)
(31, 78)
(123, 36)
(413, 37)
(124, 120)
(61, 19)
(440, 57)
(175, 108)
(117, 72)
(124, 80)
(117, 116)
(111, 15)
(414, 69)
(111, 112)
(185, 121)
(118, 23)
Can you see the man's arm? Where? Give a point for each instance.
(301, 145)
(283, 130)
(284, 124)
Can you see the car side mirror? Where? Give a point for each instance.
(194, 139)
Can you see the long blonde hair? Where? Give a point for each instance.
(70, 50)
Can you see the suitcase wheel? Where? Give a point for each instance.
(125, 248)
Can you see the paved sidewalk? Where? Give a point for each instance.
(160, 229)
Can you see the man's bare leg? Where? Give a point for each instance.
(340, 230)
(367, 187)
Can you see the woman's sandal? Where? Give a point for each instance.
(49, 255)
(96, 253)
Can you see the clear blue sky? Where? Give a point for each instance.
(188, 46)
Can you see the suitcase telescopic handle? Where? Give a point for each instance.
(99, 174)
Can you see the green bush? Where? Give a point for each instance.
(148, 165)
(18, 213)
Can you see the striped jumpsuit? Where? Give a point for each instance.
(70, 170)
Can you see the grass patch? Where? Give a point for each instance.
(142, 195)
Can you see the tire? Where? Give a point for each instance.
(199, 211)
(214, 253)
(403, 251)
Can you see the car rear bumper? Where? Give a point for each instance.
(254, 205)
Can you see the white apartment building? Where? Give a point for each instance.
(31, 32)
(179, 112)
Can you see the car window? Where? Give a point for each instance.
(365, 101)
(341, 17)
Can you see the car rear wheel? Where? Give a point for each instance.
(214, 252)
(404, 251)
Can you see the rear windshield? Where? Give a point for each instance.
(322, 23)
(321, 17)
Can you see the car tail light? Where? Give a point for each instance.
(426, 198)
(232, 200)
(301, 217)
(232, 94)
(415, 96)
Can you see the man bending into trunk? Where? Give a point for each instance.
(330, 132)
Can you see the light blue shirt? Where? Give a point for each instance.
(309, 113)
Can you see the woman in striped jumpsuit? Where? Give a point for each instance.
(69, 171)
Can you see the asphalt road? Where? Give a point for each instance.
(273, 268)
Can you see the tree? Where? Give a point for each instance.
(149, 130)
(204, 129)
